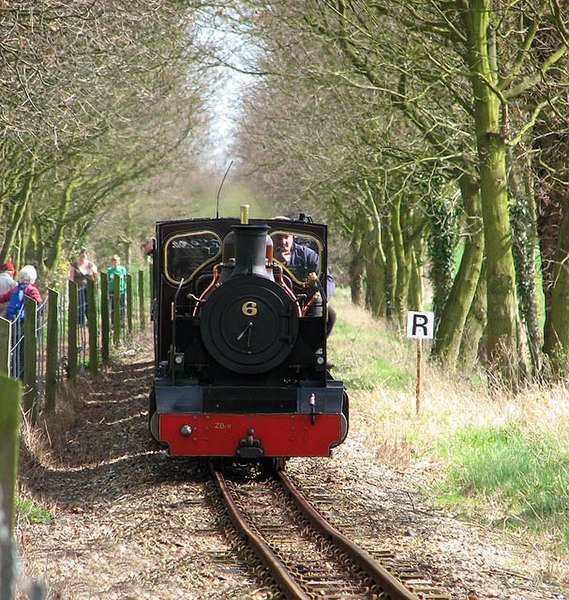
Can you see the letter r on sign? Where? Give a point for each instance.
(420, 325)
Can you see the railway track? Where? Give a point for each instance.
(306, 555)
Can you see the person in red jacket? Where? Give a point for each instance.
(15, 297)
(15, 313)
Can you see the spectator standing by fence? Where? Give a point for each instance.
(117, 273)
(7, 281)
(27, 278)
(81, 271)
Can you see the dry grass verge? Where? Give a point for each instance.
(379, 365)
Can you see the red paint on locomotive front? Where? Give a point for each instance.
(280, 435)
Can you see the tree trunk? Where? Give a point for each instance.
(442, 245)
(16, 216)
(128, 235)
(556, 344)
(503, 344)
(357, 263)
(525, 245)
(403, 264)
(457, 308)
(416, 279)
(474, 326)
(375, 269)
(57, 239)
(388, 246)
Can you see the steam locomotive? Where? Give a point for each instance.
(240, 343)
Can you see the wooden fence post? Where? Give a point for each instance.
(30, 359)
(129, 301)
(116, 312)
(11, 394)
(151, 285)
(51, 351)
(72, 332)
(5, 345)
(92, 328)
(104, 318)
(141, 308)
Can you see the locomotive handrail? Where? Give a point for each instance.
(313, 280)
(173, 345)
(200, 300)
(279, 268)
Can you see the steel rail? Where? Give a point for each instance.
(287, 582)
(391, 585)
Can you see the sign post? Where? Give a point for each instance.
(420, 325)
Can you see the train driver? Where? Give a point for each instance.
(302, 260)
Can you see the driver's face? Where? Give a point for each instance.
(283, 244)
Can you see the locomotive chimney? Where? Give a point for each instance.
(251, 250)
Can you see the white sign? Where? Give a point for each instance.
(420, 325)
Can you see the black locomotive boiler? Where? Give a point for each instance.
(240, 343)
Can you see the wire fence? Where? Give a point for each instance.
(79, 326)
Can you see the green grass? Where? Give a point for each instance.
(360, 353)
(28, 512)
(365, 368)
(524, 476)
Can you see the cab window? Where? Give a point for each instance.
(299, 254)
(186, 253)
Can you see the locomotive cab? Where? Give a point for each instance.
(240, 342)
